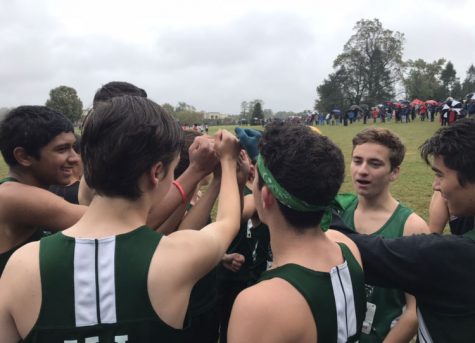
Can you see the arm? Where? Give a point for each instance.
(197, 217)
(205, 248)
(8, 330)
(29, 206)
(438, 213)
(406, 327)
(20, 294)
(202, 162)
(415, 225)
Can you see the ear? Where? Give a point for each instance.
(22, 157)
(267, 197)
(156, 173)
(394, 174)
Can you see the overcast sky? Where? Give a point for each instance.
(211, 54)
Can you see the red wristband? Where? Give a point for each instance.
(181, 190)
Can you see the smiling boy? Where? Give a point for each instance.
(37, 143)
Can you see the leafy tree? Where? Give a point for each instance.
(257, 112)
(371, 62)
(422, 80)
(244, 110)
(330, 93)
(448, 77)
(184, 107)
(169, 108)
(65, 100)
(468, 85)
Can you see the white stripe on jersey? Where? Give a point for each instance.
(107, 280)
(423, 334)
(85, 306)
(344, 301)
(85, 297)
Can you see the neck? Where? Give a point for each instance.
(290, 245)
(107, 216)
(382, 201)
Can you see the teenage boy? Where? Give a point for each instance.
(315, 289)
(375, 163)
(109, 278)
(37, 143)
(436, 269)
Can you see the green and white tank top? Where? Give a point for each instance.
(336, 299)
(95, 291)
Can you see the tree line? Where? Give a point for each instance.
(371, 70)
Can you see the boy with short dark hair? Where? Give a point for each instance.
(315, 289)
(37, 143)
(110, 278)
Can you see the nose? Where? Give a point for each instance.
(436, 185)
(73, 157)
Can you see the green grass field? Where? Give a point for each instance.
(413, 187)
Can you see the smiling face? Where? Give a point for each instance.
(57, 160)
(460, 199)
(371, 169)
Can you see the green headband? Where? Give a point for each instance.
(288, 199)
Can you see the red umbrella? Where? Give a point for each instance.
(432, 102)
(416, 102)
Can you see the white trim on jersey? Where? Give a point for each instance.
(344, 301)
(85, 288)
(423, 334)
(106, 272)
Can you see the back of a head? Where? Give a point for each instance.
(456, 145)
(30, 127)
(306, 164)
(122, 139)
(384, 137)
(117, 88)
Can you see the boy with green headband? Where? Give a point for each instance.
(315, 289)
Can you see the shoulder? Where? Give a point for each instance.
(339, 237)
(271, 311)
(415, 225)
(22, 270)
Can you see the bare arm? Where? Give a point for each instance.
(33, 206)
(406, 327)
(202, 162)
(197, 217)
(438, 213)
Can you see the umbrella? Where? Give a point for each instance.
(416, 102)
(364, 107)
(336, 111)
(355, 107)
(470, 96)
(432, 102)
(404, 102)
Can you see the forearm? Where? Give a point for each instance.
(229, 205)
(406, 327)
(171, 224)
(172, 200)
(198, 216)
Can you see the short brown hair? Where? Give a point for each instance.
(385, 138)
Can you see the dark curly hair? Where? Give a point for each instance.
(308, 165)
